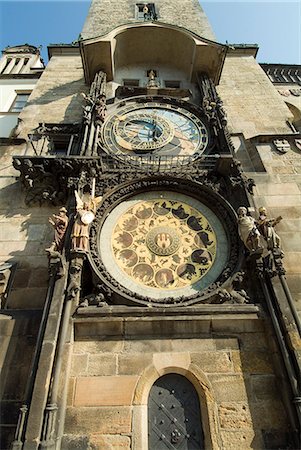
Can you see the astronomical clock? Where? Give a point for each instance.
(163, 234)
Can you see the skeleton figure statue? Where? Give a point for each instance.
(248, 231)
(266, 228)
(86, 206)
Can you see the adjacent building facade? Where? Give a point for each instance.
(160, 170)
(20, 68)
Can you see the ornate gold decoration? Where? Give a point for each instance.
(164, 244)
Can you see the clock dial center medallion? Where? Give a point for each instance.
(163, 241)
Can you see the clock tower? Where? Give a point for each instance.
(163, 320)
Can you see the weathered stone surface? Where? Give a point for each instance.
(251, 341)
(133, 364)
(252, 362)
(110, 442)
(228, 388)
(113, 420)
(165, 360)
(267, 414)
(242, 84)
(105, 364)
(226, 343)
(245, 324)
(244, 439)
(213, 361)
(167, 327)
(32, 298)
(264, 387)
(235, 415)
(79, 365)
(147, 345)
(72, 442)
(71, 390)
(103, 391)
(101, 346)
(187, 14)
(112, 327)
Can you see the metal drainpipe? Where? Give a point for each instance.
(291, 302)
(293, 379)
(17, 444)
(48, 440)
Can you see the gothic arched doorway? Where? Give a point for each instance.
(174, 419)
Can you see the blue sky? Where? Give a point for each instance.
(274, 25)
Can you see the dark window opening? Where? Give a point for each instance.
(59, 144)
(131, 82)
(172, 84)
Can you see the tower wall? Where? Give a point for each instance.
(103, 16)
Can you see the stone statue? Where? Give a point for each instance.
(230, 292)
(86, 206)
(152, 82)
(146, 13)
(60, 224)
(248, 231)
(266, 228)
(100, 110)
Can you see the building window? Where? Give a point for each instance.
(146, 11)
(131, 82)
(8, 61)
(19, 102)
(172, 84)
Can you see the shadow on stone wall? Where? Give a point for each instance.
(18, 333)
(44, 108)
(259, 361)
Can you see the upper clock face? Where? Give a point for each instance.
(143, 128)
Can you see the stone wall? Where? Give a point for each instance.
(279, 190)
(24, 235)
(252, 103)
(227, 358)
(103, 16)
(18, 330)
(57, 95)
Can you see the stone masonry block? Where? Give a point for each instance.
(241, 439)
(101, 346)
(228, 388)
(235, 415)
(213, 362)
(79, 365)
(252, 362)
(106, 420)
(133, 364)
(110, 442)
(104, 391)
(103, 364)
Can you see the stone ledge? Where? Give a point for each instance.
(247, 320)
(139, 311)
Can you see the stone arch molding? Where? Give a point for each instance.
(153, 43)
(179, 363)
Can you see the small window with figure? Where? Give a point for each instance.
(146, 11)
